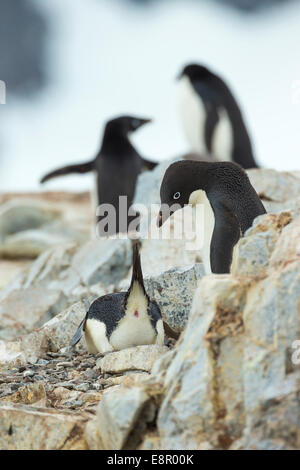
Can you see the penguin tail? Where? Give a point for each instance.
(78, 335)
(66, 170)
(79, 332)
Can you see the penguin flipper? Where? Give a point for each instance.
(78, 335)
(226, 234)
(147, 165)
(66, 170)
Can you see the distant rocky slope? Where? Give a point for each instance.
(232, 380)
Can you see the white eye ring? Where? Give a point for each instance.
(177, 195)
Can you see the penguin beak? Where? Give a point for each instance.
(161, 218)
(144, 121)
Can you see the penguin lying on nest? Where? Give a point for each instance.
(124, 319)
(211, 117)
(116, 166)
(230, 205)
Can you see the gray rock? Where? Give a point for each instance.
(53, 336)
(188, 412)
(31, 243)
(279, 191)
(232, 379)
(25, 309)
(272, 185)
(117, 414)
(18, 215)
(287, 247)
(254, 250)
(27, 428)
(103, 260)
(137, 358)
(148, 184)
(174, 290)
(52, 271)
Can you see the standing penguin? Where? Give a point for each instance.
(212, 120)
(117, 166)
(230, 205)
(124, 319)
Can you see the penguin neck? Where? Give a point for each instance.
(137, 301)
(116, 143)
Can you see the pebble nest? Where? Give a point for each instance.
(69, 380)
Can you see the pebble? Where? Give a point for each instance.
(28, 373)
(64, 364)
(42, 362)
(97, 386)
(84, 387)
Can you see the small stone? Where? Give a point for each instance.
(82, 387)
(117, 415)
(29, 373)
(138, 358)
(97, 386)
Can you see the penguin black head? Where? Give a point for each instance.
(195, 72)
(126, 124)
(230, 204)
(176, 188)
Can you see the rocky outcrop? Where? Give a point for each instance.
(137, 358)
(23, 427)
(279, 191)
(173, 290)
(28, 228)
(232, 380)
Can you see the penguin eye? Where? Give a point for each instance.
(176, 195)
(135, 123)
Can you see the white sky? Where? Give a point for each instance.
(110, 57)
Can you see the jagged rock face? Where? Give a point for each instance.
(31, 428)
(232, 382)
(173, 291)
(279, 191)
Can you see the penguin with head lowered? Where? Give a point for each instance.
(116, 166)
(124, 319)
(211, 117)
(229, 200)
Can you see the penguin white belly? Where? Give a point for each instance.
(193, 116)
(222, 139)
(132, 331)
(135, 328)
(199, 197)
(95, 337)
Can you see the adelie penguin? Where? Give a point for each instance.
(229, 200)
(116, 166)
(211, 117)
(124, 319)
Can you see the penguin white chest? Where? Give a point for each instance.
(135, 328)
(207, 225)
(193, 115)
(222, 138)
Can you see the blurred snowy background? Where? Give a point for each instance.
(70, 65)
